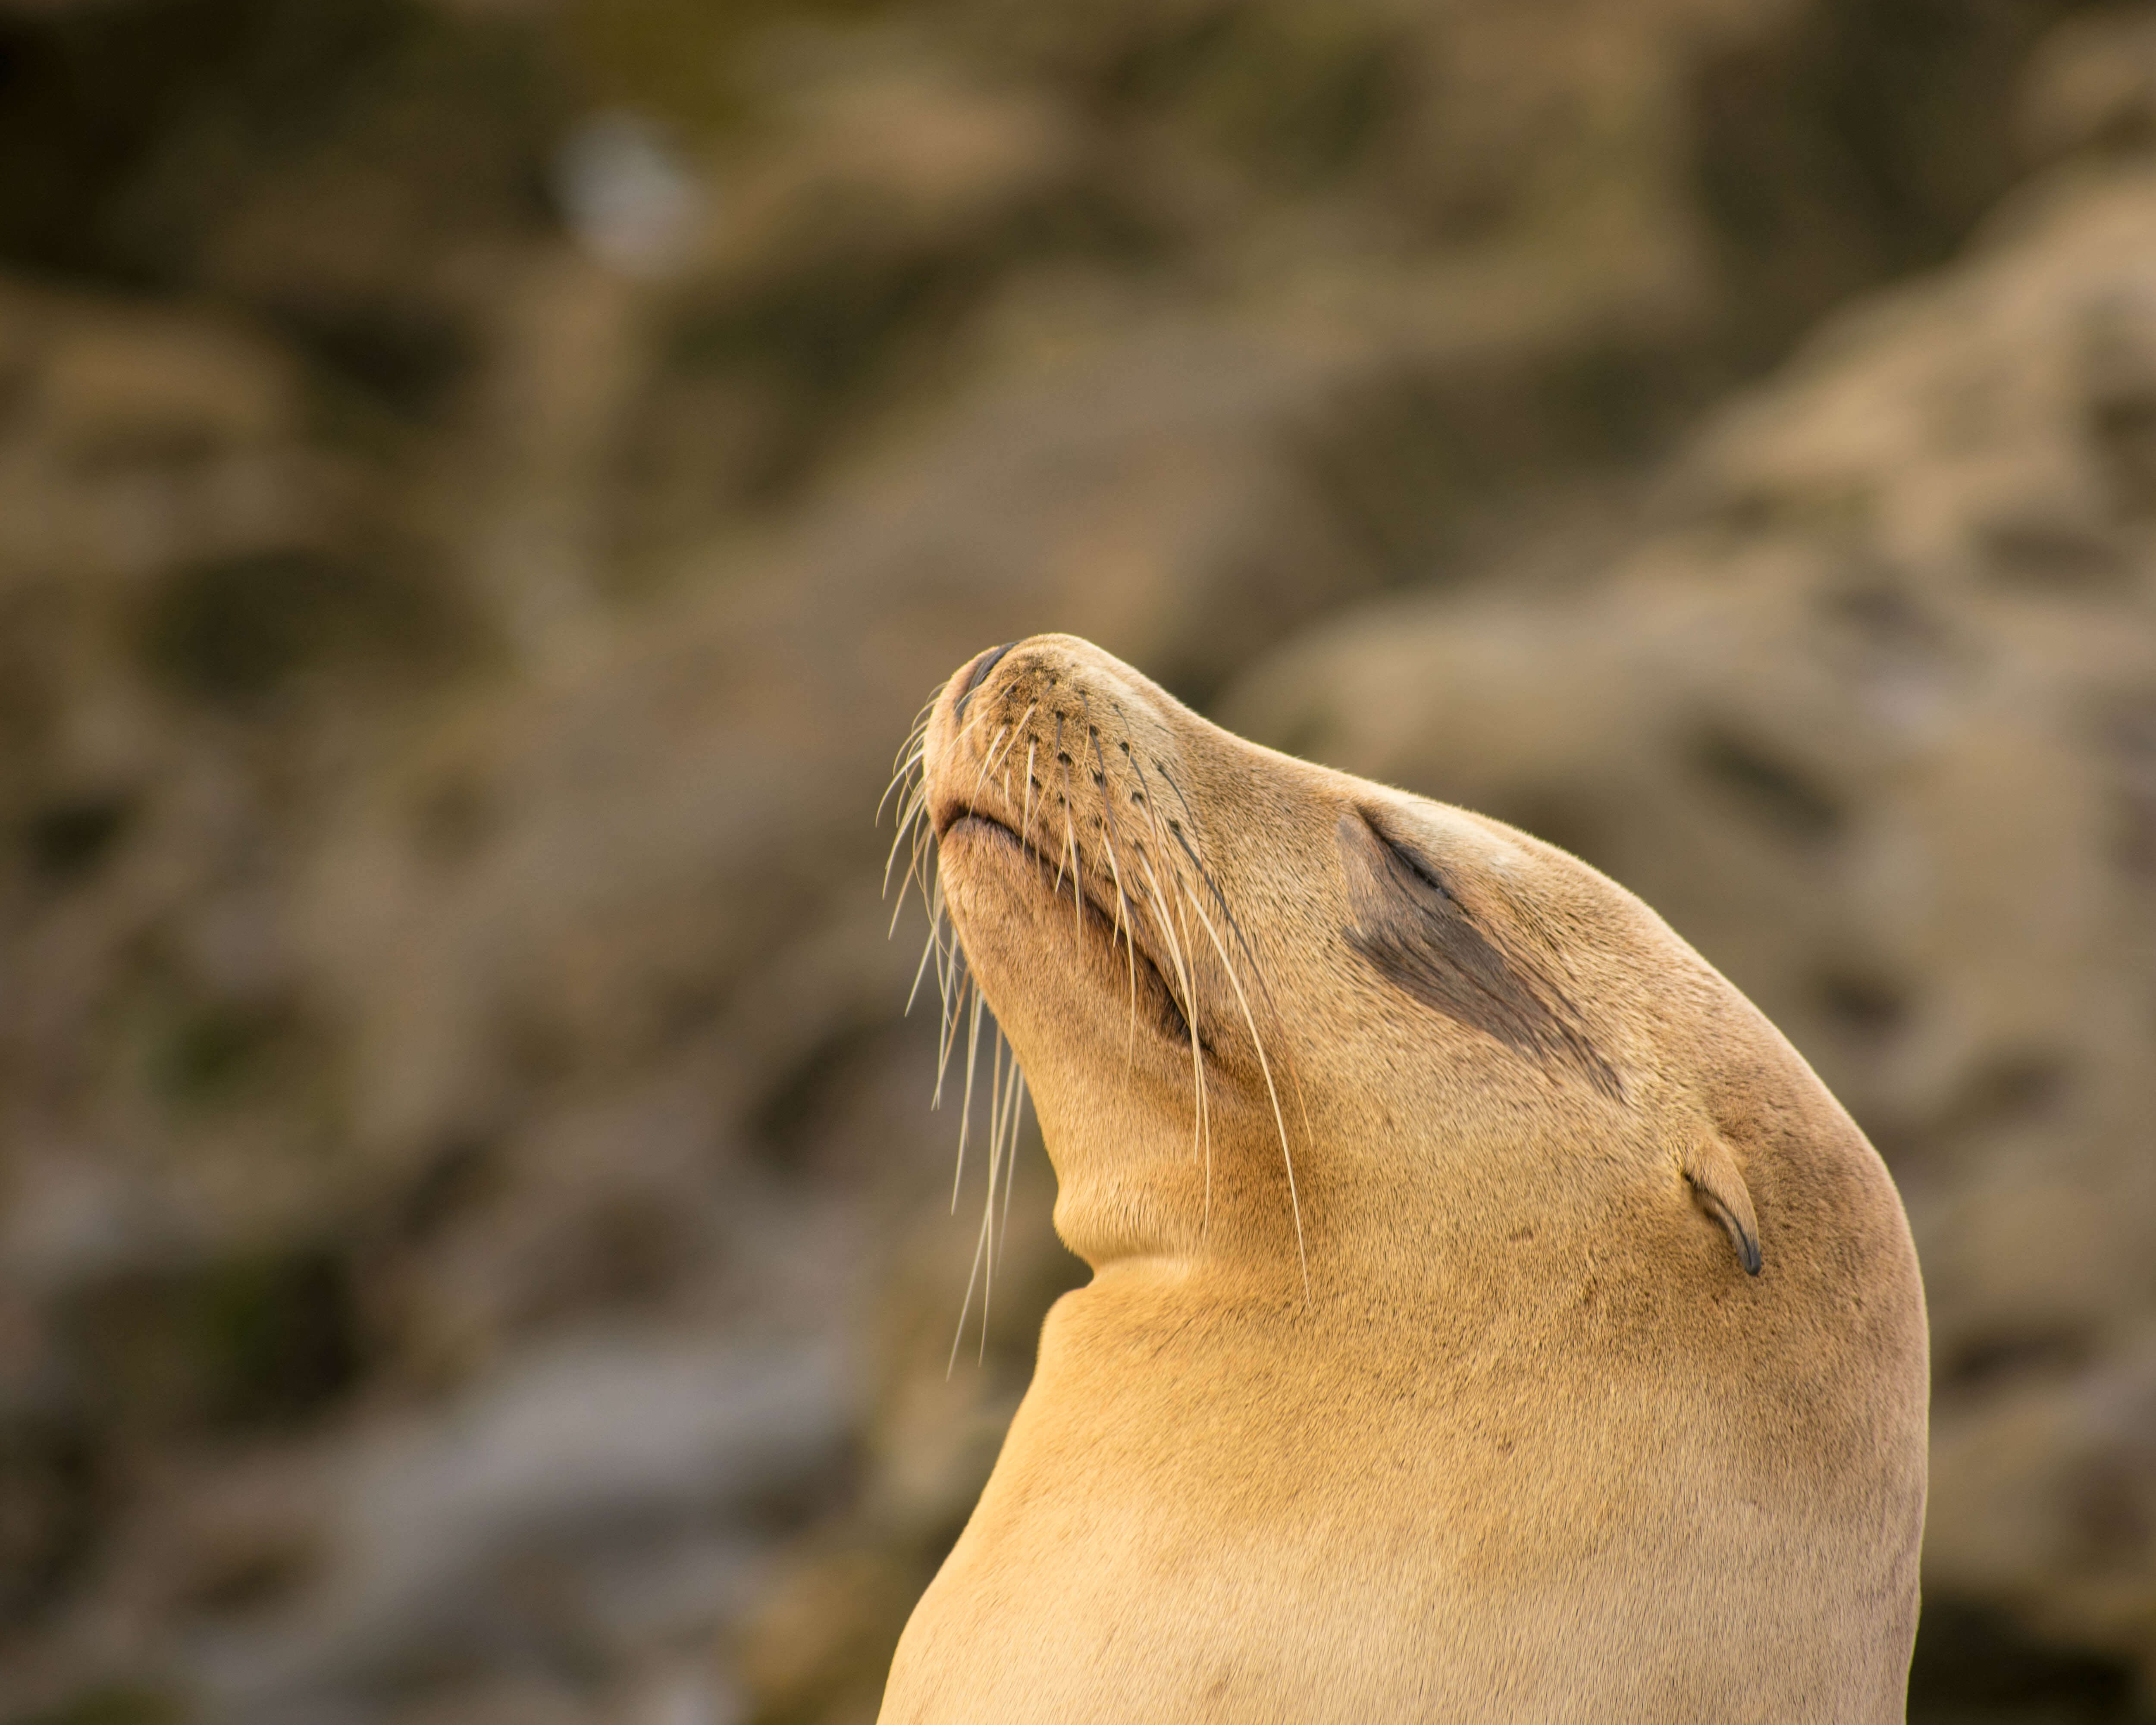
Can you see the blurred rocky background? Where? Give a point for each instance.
(484, 486)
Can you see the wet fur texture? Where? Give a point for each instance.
(1493, 1317)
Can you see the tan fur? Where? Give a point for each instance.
(1482, 1420)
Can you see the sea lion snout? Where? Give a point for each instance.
(1069, 797)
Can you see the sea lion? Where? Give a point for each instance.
(1493, 1318)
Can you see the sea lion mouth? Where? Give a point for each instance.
(1171, 1016)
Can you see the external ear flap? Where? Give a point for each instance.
(1719, 1189)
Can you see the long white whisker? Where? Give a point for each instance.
(910, 752)
(915, 792)
(1016, 731)
(1116, 873)
(1071, 846)
(914, 755)
(916, 867)
(1186, 979)
(1219, 898)
(981, 776)
(949, 956)
(1025, 816)
(1077, 891)
(921, 969)
(919, 727)
(980, 1251)
(966, 1107)
(1201, 1118)
(1242, 942)
(1124, 917)
(995, 1168)
(957, 987)
(1018, 1120)
(1265, 1066)
(1003, 1146)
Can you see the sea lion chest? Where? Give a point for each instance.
(1204, 1512)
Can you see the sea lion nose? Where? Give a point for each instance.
(979, 674)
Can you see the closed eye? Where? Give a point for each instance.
(1422, 937)
(1410, 861)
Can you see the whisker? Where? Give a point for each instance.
(988, 1207)
(966, 1107)
(1071, 846)
(1025, 814)
(909, 755)
(919, 727)
(1265, 1066)
(956, 985)
(915, 864)
(1186, 978)
(911, 758)
(1018, 1120)
(1219, 898)
(1002, 1148)
(1257, 970)
(1007, 1094)
(1025, 718)
(980, 1248)
(981, 776)
(1201, 1118)
(921, 969)
(1130, 943)
(1115, 868)
(915, 791)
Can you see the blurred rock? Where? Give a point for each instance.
(532, 1519)
(625, 193)
(2092, 85)
(819, 1642)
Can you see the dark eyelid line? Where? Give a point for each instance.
(1425, 938)
(1412, 860)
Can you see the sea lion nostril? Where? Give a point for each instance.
(979, 674)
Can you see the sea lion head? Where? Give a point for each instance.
(1317, 1033)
